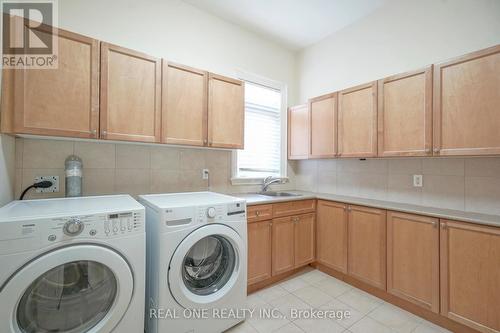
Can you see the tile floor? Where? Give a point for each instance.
(319, 291)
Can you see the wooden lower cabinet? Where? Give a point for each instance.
(413, 259)
(366, 252)
(331, 235)
(470, 275)
(283, 244)
(304, 239)
(293, 242)
(259, 246)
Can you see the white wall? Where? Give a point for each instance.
(180, 32)
(399, 36)
(7, 144)
(169, 29)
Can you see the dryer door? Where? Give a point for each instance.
(205, 266)
(81, 288)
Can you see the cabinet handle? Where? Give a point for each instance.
(443, 225)
(93, 133)
(349, 209)
(434, 224)
(436, 150)
(104, 133)
(257, 213)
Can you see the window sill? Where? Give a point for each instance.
(251, 181)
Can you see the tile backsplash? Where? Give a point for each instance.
(111, 168)
(469, 184)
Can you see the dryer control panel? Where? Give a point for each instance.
(32, 234)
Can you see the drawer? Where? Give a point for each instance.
(294, 207)
(259, 213)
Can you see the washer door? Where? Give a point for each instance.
(81, 288)
(205, 266)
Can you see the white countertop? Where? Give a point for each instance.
(493, 220)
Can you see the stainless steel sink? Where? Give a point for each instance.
(279, 194)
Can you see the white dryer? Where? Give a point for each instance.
(72, 265)
(197, 262)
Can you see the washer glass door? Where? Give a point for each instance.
(208, 265)
(73, 289)
(71, 297)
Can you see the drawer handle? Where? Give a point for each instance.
(257, 213)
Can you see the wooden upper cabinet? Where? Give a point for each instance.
(323, 120)
(259, 249)
(298, 132)
(413, 259)
(470, 275)
(304, 239)
(331, 235)
(405, 114)
(367, 245)
(130, 95)
(467, 104)
(283, 248)
(184, 105)
(226, 112)
(56, 102)
(357, 121)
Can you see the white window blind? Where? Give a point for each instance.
(262, 154)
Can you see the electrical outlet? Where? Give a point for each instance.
(205, 173)
(55, 184)
(418, 180)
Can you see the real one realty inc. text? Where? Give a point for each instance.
(246, 313)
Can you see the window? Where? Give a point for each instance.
(264, 154)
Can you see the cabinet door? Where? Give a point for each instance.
(298, 132)
(184, 110)
(367, 245)
(405, 114)
(57, 102)
(470, 275)
(304, 239)
(130, 95)
(226, 112)
(466, 104)
(259, 251)
(323, 119)
(331, 235)
(358, 121)
(283, 245)
(413, 259)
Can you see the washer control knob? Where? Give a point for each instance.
(211, 212)
(73, 227)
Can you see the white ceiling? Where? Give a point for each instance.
(294, 23)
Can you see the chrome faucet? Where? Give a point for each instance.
(269, 181)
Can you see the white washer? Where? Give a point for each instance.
(72, 265)
(197, 261)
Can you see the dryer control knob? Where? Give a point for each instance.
(211, 212)
(73, 227)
